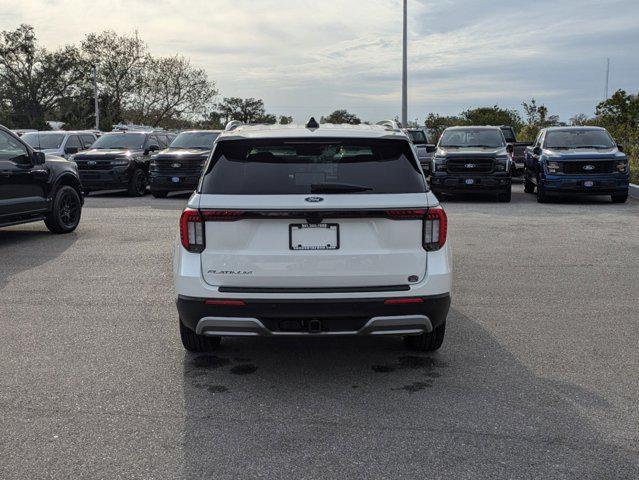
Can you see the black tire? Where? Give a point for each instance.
(137, 184)
(506, 196)
(621, 198)
(159, 193)
(427, 342)
(86, 192)
(529, 187)
(66, 211)
(197, 343)
(541, 193)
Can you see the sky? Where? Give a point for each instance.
(308, 58)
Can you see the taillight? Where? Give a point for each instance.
(435, 226)
(406, 214)
(192, 230)
(222, 215)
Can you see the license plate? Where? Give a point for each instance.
(308, 236)
(470, 181)
(589, 183)
(175, 179)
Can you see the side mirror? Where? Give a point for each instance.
(154, 148)
(38, 158)
(537, 150)
(620, 147)
(71, 150)
(510, 148)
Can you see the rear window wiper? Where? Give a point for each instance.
(338, 188)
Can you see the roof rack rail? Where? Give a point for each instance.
(390, 125)
(232, 125)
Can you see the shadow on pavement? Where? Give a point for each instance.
(367, 408)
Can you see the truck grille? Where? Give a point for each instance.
(470, 165)
(180, 166)
(88, 164)
(585, 167)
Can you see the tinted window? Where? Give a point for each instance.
(578, 139)
(73, 141)
(43, 141)
(87, 140)
(417, 136)
(163, 141)
(201, 140)
(295, 166)
(153, 140)
(123, 141)
(472, 138)
(11, 149)
(509, 135)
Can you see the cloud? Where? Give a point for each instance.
(308, 57)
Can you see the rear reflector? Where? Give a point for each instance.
(228, 303)
(435, 228)
(401, 301)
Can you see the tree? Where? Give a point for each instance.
(170, 90)
(285, 120)
(436, 124)
(580, 119)
(536, 118)
(248, 110)
(493, 116)
(620, 109)
(34, 80)
(341, 116)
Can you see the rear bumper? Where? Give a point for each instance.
(258, 317)
(602, 185)
(167, 183)
(458, 182)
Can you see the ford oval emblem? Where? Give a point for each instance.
(588, 167)
(314, 199)
(176, 165)
(470, 165)
(92, 162)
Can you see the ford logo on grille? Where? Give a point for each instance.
(588, 167)
(470, 165)
(92, 162)
(314, 199)
(176, 165)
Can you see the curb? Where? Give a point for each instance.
(634, 190)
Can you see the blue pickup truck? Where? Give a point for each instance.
(576, 160)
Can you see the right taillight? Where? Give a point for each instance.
(435, 226)
(192, 230)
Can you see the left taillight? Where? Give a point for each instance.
(192, 230)
(435, 227)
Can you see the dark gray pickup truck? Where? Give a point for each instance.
(519, 150)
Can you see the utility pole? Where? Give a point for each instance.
(95, 97)
(405, 68)
(607, 78)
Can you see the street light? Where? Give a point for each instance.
(405, 69)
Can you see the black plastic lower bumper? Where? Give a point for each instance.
(470, 183)
(334, 315)
(172, 183)
(104, 180)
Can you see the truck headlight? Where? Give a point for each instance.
(622, 166)
(552, 167)
(439, 164)
(501, 162)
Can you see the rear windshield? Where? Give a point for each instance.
(578, 139)
(472, 138)
(295, 166)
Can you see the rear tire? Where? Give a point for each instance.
(529, 187)
(427, 342)
(505, 197)
(137, 184)
(197, 343)
(621, 198)
(159, 193)
(65, 212)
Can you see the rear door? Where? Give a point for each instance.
(332, 213)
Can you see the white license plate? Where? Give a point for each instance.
(308, 236)
(470, 181)
(589, 183)
(175, 179)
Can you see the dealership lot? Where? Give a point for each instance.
(537, 377)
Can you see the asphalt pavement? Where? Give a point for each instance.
(538, 376)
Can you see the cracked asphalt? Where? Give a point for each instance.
(538, 376)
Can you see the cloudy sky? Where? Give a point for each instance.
(311, 57)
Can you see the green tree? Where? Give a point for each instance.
(436, 124)
(493, 116)
(341, 116)
(246, 110)
(285, 120)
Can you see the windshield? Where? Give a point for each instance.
(472, 138)
(199, 140)
(41, 141)
(294, 166)
(120, 141)
(578, 139)
(417, 136)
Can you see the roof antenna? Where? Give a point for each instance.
(312, 123)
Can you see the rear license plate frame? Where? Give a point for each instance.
(312, 226)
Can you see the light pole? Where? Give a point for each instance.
(405, 68)
(95, 99)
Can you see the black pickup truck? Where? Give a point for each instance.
(472, 159)
(519, 150)
(35, 187)
(425, 149)
(179, 167)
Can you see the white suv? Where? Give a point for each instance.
(314, 230)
